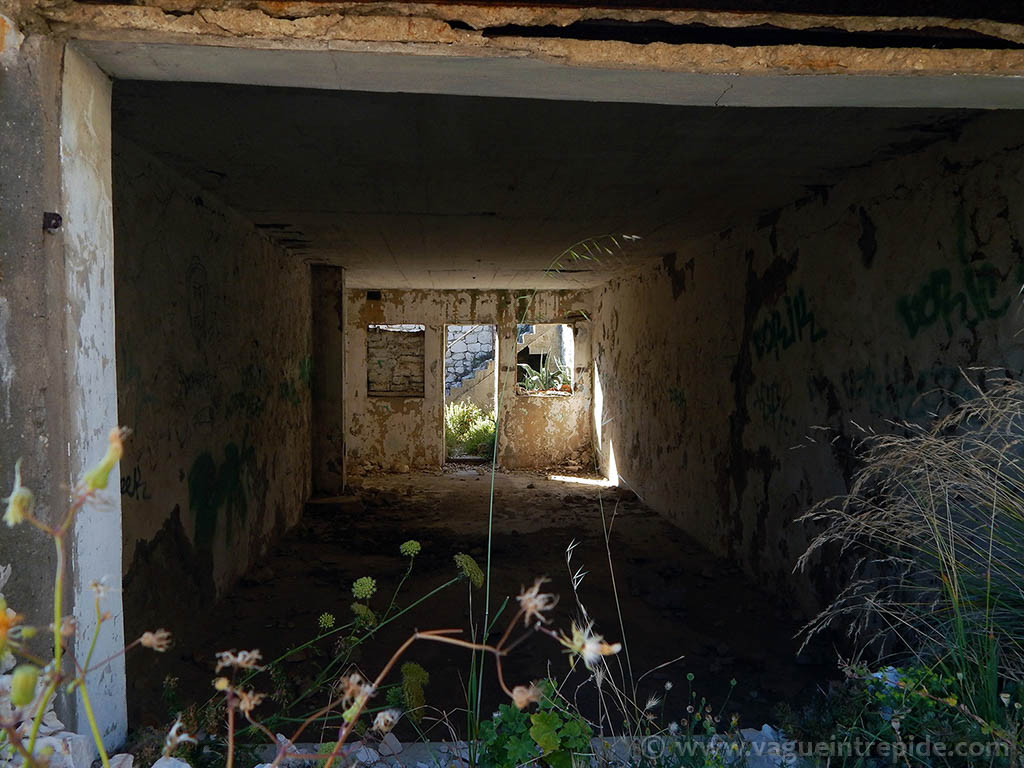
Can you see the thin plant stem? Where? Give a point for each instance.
(87, 706)
(230, 761)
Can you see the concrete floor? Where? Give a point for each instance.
(677, 600)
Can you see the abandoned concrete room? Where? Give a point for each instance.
(386, 321)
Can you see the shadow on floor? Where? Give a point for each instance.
(676, 599)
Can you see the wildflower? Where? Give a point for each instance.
(176, 737)
(588, 645)
(240, 660)
(97, 477)
(326, 620)
(354, 687)
(469, 569)
(23, 685)
(158, 641)
(364, 615)
(248, 701)
(523, 696)
(20, 502)
(364, 587)
(221, 684)
(652, 703)
(534, 603)
(100, 587)
(385, 720)
(1005, 698)
(673, 727)
(668, 685)
(410, 548)
(8, 621)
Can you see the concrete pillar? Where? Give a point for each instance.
(91, 372)
(57, 386)
(328, 380)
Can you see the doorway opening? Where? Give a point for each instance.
(470, 392)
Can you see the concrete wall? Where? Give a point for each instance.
(214, 366)
(399, 432)
(842, 308)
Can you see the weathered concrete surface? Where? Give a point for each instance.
(33, 398)
(92, 383)
(214, 372)
(842, 308)
(328, 385)
(397, 432)
(467, 24)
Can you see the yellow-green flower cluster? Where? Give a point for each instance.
(364, 587)
(469, 569)
(411, 548)
(364, 615)
(326, 620)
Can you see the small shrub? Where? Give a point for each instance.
(468, 430)
(551, 736)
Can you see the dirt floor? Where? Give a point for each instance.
(676, 599)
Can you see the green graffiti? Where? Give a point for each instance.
(212, 488)
(289, 389)
(677, 397)
(781, 330)
(936, 300)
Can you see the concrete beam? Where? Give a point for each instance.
(419, 69)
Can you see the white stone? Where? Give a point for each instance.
(367, 755)
(170, 762)
(390, 745)
(124, 760)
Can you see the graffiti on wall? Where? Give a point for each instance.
(784, 327)
(900, 392)
(962, 298)
(133, 486)
(770, 401)
(215, 487)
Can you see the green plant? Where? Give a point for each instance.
(468, 429)
(34, 684)
(936, 515)
(552, 735)
(545, 379)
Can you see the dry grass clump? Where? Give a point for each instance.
(936, 517)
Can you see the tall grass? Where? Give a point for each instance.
(936, 519)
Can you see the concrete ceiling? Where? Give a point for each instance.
(440, 191)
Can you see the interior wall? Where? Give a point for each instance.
(401, 433)
(214, 346)
(842, 309)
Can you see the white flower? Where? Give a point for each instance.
(176, 736)
(534, 603)
(240, 660)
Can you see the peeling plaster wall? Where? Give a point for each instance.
(395, 433)
(844, 307)
(214, 344)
